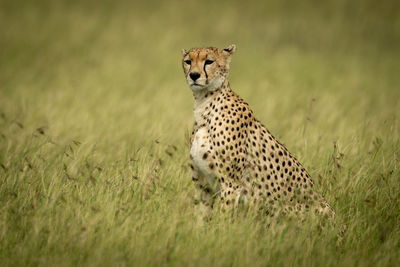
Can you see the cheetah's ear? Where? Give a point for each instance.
(184, 52)
(230, 49)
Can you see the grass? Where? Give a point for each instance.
(95, 113)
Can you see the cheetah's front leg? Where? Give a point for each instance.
(232, 194)
(203, 194)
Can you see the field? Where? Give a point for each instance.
(95, 117)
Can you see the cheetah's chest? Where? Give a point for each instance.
(200, 151)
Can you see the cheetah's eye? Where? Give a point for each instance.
(188, 62)
(209, 62)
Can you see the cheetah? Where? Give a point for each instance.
(233, 155)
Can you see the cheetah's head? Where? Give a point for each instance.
(206, 68)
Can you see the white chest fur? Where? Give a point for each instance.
(201, 156)
(199, 148)
(200, 151)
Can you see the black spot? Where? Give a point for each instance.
(205, 155)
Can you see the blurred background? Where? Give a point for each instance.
(91, 68)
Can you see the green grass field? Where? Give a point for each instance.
(95, 116)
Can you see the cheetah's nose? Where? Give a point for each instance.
(194, 75)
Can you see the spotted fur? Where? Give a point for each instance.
(232, 154)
